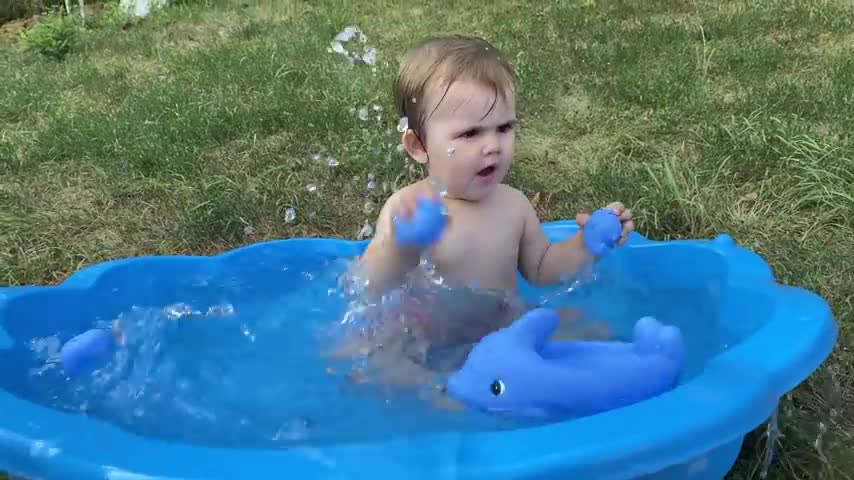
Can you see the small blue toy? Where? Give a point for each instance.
(86, 350)
(602, 231)
(425, 227)
(517, 370)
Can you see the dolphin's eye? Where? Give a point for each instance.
(497, 387)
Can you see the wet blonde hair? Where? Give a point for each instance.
(441, 61)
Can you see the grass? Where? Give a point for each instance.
(192, 132)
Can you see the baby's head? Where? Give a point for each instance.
(458, 96)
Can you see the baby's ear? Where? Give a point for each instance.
(413, 146)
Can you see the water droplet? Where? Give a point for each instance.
(244, 329)
(402, 125)
(315, 156)
(348, 34)
(414, 100)
(366, 231)
(451, 151)
(370, 57)
(177, 311)
(363, 113)
(311, 187)
(290, 215)
(369, 207)
(225, 310)
(332, 162)
(439, 187)
(294, 429)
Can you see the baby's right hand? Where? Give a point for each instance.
(419, 218)
(407, 201)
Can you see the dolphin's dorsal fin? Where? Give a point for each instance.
(533, 329)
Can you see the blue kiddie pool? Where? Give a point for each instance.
(221, 373)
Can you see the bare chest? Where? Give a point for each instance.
(480, 246)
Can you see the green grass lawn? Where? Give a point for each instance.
(197, 130)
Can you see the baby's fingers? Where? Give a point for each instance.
(406, 207)
(628, 228)
(626, 215)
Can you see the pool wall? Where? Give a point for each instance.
(780, 333)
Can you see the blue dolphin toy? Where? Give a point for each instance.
(517, 370)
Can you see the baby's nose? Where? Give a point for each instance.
(491, 144)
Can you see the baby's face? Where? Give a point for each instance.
(469, 141)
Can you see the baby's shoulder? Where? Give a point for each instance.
(512, 199)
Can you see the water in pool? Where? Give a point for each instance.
(251, 365)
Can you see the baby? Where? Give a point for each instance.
(458, 96)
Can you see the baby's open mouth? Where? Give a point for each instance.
(484, 172)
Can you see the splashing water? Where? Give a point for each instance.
(290, 215)
(367, 231)
(363, 113)
(351, 43)
(772, 431)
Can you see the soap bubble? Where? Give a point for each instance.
(331, 162)
(311, 187)
(451, 151)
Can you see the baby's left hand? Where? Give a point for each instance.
(625, 219)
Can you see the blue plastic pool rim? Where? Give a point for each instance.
(626, 442)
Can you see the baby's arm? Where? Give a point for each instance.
(384, 262)
(543, 262)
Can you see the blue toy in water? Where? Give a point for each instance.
(86, 350)
(517, 370)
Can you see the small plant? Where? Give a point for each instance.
(51, 37)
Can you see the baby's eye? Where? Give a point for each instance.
(497, 387)
(505, 128)
(470, 133)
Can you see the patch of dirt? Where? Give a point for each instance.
(15, 27)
